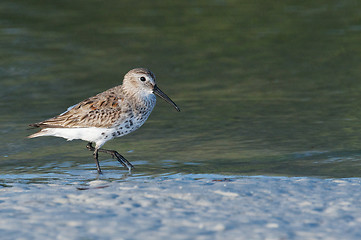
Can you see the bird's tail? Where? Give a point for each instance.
(43, 132)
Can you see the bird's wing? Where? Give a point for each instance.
(102, 110)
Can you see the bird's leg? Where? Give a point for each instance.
(113, 153)
(97, 161)
(119, 157)
(95, 154)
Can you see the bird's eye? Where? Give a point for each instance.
(142, 79)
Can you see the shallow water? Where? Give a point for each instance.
(265, 88)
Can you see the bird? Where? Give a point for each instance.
(113, 113)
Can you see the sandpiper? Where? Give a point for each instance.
(113, 113)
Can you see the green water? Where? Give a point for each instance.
(265, 87)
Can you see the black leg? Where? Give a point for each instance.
(114, 154)
(97, 161)
(95, 154)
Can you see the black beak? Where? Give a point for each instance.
(161, 94)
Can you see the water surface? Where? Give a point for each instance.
(265, 88)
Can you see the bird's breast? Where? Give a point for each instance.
(134, 119)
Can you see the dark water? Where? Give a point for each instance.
(265, 87)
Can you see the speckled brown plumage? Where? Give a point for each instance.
(102, 110)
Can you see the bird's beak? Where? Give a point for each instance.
(161, 94)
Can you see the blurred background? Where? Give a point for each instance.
(265, 87)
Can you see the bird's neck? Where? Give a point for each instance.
(147, 99)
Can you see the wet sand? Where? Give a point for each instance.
(184, 207)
